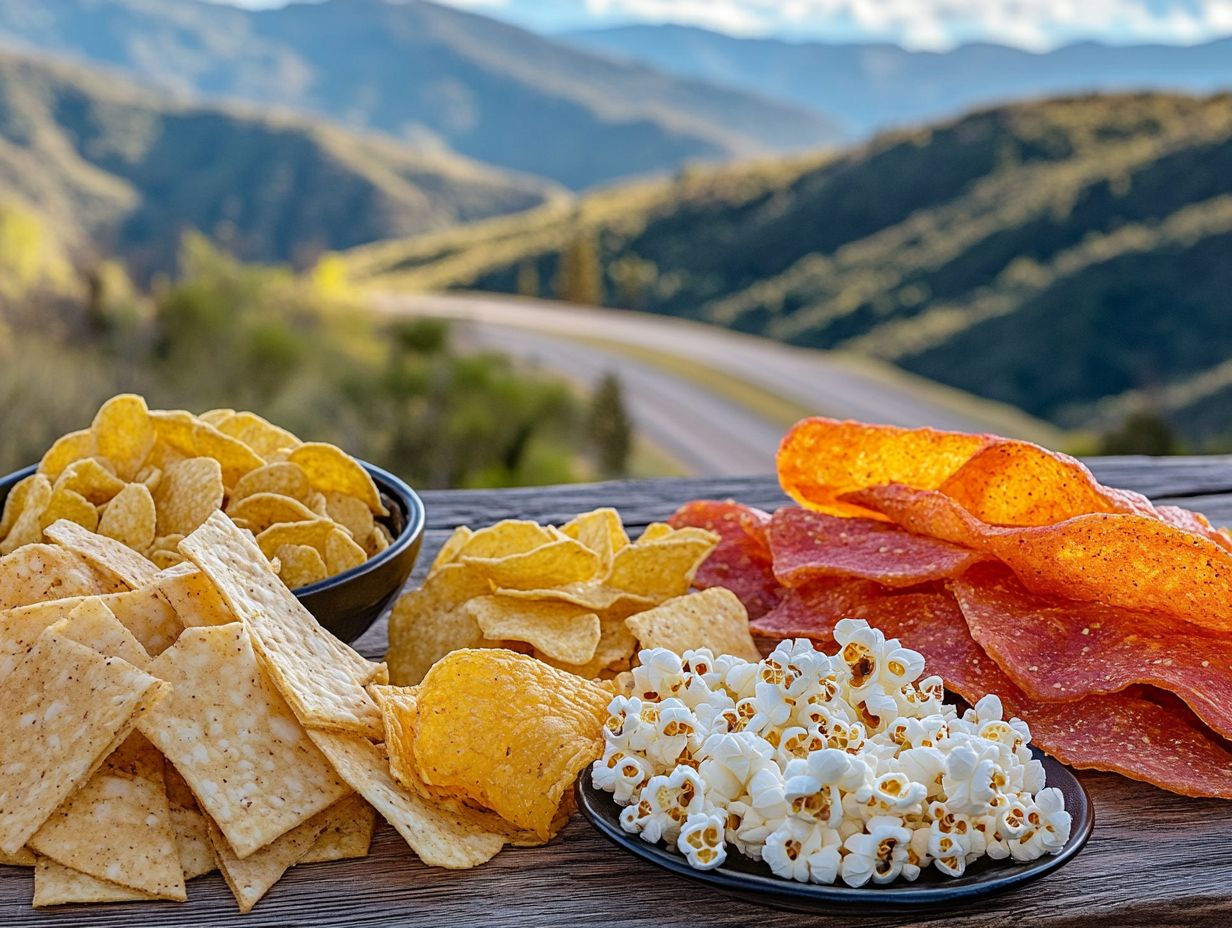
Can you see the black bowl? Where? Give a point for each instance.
(348, 603)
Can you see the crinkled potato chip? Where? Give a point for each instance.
(560, 561)
(662, 567)
(616, 647)
(23, 512)
(712, 619)
(64, 451)
(347, 834)
(341, 552)
(38, 573)
(130, 517)
(261, 510)
(187, 494)
(508, 731)
(91, 479)
(301, 565)
(106, 555)
(281, 478)
(440, 837)
(80, 706)
(562, 631)
(72, 506)
(351, 513)
(56, 884)
(123, 433)
(428, 623)
(249, 878)
(263, 437)
(331, 469)
(235, 741)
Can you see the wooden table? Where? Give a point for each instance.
(1155, 858)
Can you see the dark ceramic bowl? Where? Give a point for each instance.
(348, 604)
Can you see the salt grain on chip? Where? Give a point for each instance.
(107, 555)
(39, 573)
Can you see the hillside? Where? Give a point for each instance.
(875, 86)
(122, 170)
(426, 73)
(1068, 257)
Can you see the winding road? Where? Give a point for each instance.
(705, 431)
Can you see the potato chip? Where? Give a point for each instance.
(115, 561)
(594, 596)
(64, 451)
(342, 553)
(616, 647)
(250, 878)
(56, 884)
(347, 833)
(301, 565)
(662, 567)
(216, 417)
(130, 517)
(117, 827)
(93, 624)
(72, 707)
(452, 547)
(440, 837)
(282, 478)
(315, 672)
(331, 469)
(261, 510)
(713, 619)
(234, 739)
(38, 573)
(71, 505)
(22, 513)
(192, 438)
(377, 541)
(192, 835)
(187, 494)
(351, 513)
(560, 630)
(428, 623)
(561, 561)
(123, 433)
(655, 531)
(601, 530)
(90, 479)
(261, 436)
(508, 731)
(313, 532)
(509, 536)
(149, 475)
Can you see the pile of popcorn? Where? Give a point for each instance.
(825, 767)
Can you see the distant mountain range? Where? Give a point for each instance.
(1070, 257)
(873, 86)
(427, 74)
(116, 169)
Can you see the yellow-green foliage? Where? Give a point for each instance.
(30, 256)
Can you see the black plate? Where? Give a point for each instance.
(752, 880)
(348, 603)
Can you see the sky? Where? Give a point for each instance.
(930, 24)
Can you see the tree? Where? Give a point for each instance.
(528, 278)
(579, 279)
(1143, 432)
(609, 428)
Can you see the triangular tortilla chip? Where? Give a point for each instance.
(193, 597)
(150, 618)
(252, 877)
(39, 573)
(56, 884)
(96, 626)
(347, 832)
(192, 836)
(112, 558)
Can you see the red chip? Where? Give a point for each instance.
(741, 561)
(1057, 650)
(808, 545)
(812, 610)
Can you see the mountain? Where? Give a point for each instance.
(428, 74)
(120, 169)
(875, 86)
(1069, 257)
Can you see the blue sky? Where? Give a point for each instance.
(916, 23)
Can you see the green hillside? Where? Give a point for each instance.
(1068, 256)
(119, 170)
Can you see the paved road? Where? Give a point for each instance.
(706, 433)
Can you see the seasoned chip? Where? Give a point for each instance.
(64, 451)
(69, 707)
(23, 512)
(123, 433)
(341, 552)
(563, 560)
(249, 878)
(428, 623)
(234, 739)
(301, 565)
(601, 530)
(130, 517)
(192, 836)
(451, 548)
(593, 596)
(216, 417)
(560, 630)
(508, 731)
(261, 510)
(347, 833)
(71, 505)
(281, 478)
(187, 494)
(742, 561)
(263, 437)
(93, 624)
(713, 619)
(37, 573)
(20, 627)
(163, 559)
(616, 646)
(191, 437)
(56, 884)
(509, 536)
(91, 479)
(315, 672)
(439, 836)
(114, 560)
(117, 827)
(351, 513)
(313, 532)
(331, 469)
(150, 617)
(664, 565)
(23, 858)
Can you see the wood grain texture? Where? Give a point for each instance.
(1155, 859)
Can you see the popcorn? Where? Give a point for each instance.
(824, 767)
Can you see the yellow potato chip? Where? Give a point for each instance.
(713, 619)
(149, 475)
(664, 566)
(592, 595)
(216, 417)
(315, 672)
(191, 437)
(261, 510)
(377, 541)
(187, 494)
(281, 478)
(561, 561)
(91, 479)
(656, 531)
(301, 565)
(38, 573)
(23, 510)
(71, 505)
(509, 536)
(601, 530)
(614, 651)
(261, 436)
(192, 836)
(563, 631)
(439, 836)
(251, 877)
(64, 451)
(123, 433)
(331, 469)
(428, 623)
(56, 884)
(342, 553)
(234, 739)
(347, 833)
(94, 624)
(117, 827)
(351, 513)
(313, 532)
(112, 559)
(452, 547)
(130, 517)
(86, 703)
(509, 731)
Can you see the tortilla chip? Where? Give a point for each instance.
(263, 437)
(56, 884)
(23, 858)
(148, 616)
(560, 630)
(108, 556)
(662, 566)
(64, 451)
(250, 878)
(38, 573)
(21, 627)
(451, 548)
(428, 623)
(713, 619)
(282, 478)
(194, 598)
(130, 517)
(261, 510)
(300, 565)
(332, 470)
(351, 513)
(192, 836)
(600, 530)
(501, 539)
(96, 626)
(123, 433)
(71, 505)
(347, 833)
(189, 491)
